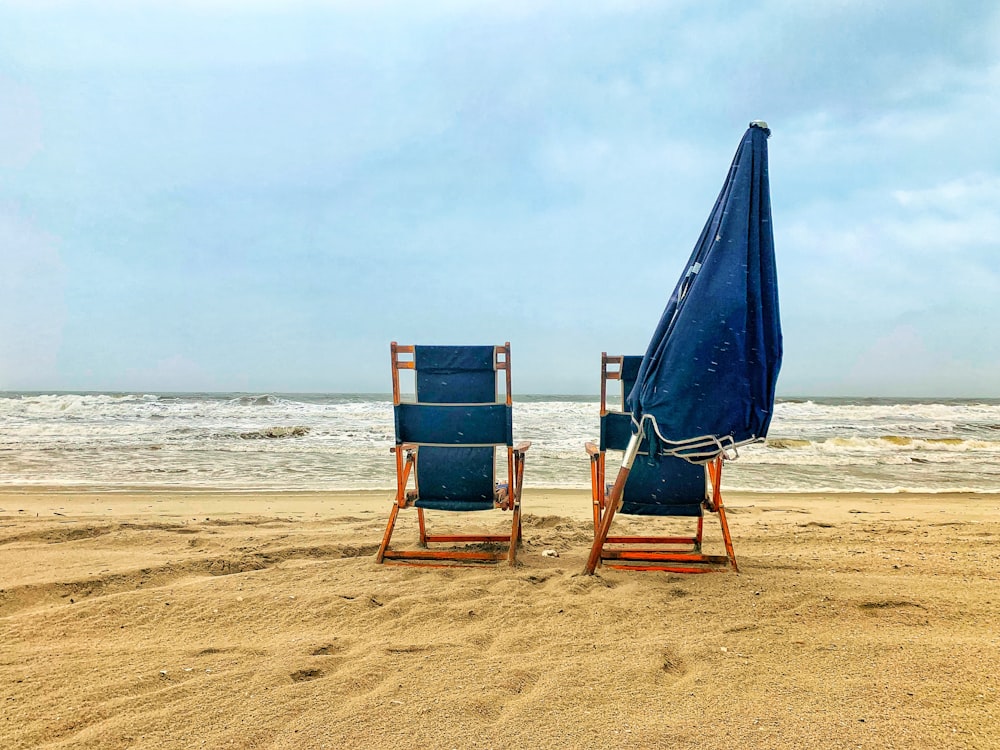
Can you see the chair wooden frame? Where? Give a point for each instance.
(678, 554)
(406, 457)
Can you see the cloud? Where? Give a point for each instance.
(32, 303)
(976, 193)
(325, 176)
(20, 126)
(171, 373)
(905, 362)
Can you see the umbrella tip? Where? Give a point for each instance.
(762, 125)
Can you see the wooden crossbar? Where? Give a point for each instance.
(665, 568)
(427, 554)
(661, 556)
(652, 540)
(467, 538)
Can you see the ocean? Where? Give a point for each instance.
(119, 441)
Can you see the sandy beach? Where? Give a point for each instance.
(260, 620)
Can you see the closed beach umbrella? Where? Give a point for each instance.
(707, 380)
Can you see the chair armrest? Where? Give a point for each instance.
(592, 450)
(522, 447)
(404, 447)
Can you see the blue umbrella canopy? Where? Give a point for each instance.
(707, 379)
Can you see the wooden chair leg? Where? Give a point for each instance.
(715, 475)
(423, 527)
(730, 552)
(614, 500)
(599, 538)
(515, 535)
(597, 492)
(388, 533)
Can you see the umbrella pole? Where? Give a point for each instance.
(614, 502)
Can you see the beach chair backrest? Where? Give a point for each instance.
(457, 420)
(657, 485)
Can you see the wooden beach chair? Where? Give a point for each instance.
(450, 436)
(658, 485)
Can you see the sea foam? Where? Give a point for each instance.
(324, 441)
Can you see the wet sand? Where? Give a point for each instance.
(246, 620)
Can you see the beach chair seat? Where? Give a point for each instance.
(450, 435)
(658, 485)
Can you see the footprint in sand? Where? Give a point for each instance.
(672, 662)
(304, 675)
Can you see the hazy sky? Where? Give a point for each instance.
(260, 196)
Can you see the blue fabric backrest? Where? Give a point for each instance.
(455, 374)
(616, 427)
(657, 485)
(629, 372)
(456, 422)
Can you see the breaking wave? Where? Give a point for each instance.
(329, 441)
(275, 432)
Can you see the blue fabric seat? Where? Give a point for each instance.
(657, 485)
(448, 439)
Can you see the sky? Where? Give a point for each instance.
(260, 196)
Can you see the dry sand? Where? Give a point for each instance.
(185, 620)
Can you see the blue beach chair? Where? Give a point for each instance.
(658, 485)
(447, 442)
